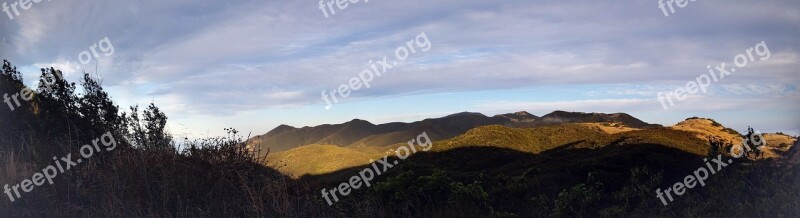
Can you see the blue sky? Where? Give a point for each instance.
(256, 64)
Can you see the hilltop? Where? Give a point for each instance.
(558, 117)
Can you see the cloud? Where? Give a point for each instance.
(227, 57)
(759, 89)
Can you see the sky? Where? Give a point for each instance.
(254, 65)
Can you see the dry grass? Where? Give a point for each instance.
(318, 159)
(136, 183)
(321, 159)
(703, 128)
(777, 145)
(610, 128)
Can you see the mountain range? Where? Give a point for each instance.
(328, 148)
(560, 163)
(363, 133)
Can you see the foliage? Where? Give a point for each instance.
(410, 194)
(145, 176)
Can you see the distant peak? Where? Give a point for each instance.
(521, 116)
(465, 114)
(696, 118)
(522, 113)
(284, 126)
(280, 129)
(562, 113)
(358, 121)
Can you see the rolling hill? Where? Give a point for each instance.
(318, 159)
(559, 117)
(361, 133)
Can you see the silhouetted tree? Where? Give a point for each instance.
(10, 72)
(149, 131)
(10, 84)
(96, 106)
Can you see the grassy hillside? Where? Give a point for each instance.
(530, 140)
(703, 128)
(609, 128)
(778, 145)
(539, 139)
(319, 159)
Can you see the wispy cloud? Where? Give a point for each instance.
(224, 58)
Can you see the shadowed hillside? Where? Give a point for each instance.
(612, 181)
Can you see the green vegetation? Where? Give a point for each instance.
(540, 188)
(407, 191)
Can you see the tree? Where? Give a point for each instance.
(150, 131)
(59, 93)
(96, 106)
(756, 148)
(10, 83)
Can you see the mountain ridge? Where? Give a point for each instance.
(690, 139)
(360, 133)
